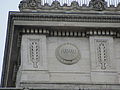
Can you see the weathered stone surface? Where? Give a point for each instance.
(95, 64)
(95, 5)
(43, 33)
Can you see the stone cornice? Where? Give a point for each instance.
(94, 5)
(67, 17)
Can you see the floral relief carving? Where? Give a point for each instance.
(30, 4)
(34, 52)
(98, 4)
(102, 53)
(75, 5)
(55, 5)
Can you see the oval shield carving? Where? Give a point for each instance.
(68, 53)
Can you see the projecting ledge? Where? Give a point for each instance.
(74, 24)
(70, 87)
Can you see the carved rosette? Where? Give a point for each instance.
(30, 4)
(55, 5)
(118, 6)
(75, 5)
(98, 4)
(68, 54)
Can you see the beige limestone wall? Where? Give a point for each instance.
(69, 60)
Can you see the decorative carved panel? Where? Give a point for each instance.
(34, 52)
(98, 5)
(102, 53)
(101, 49)
(68, 53)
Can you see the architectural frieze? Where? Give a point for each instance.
(95, 5)
(70, 17)
(68, 33)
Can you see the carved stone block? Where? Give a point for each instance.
(33, 66)
(68, 59)
(102, 54)
(68, 53)
(103, 63)
(33, 52)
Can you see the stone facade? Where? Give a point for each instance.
(72, 49)
(94, 58)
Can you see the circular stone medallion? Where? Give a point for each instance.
(68, 53)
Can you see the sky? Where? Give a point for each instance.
(5, 7)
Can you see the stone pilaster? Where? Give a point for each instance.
(103, 63)
(33, 60)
